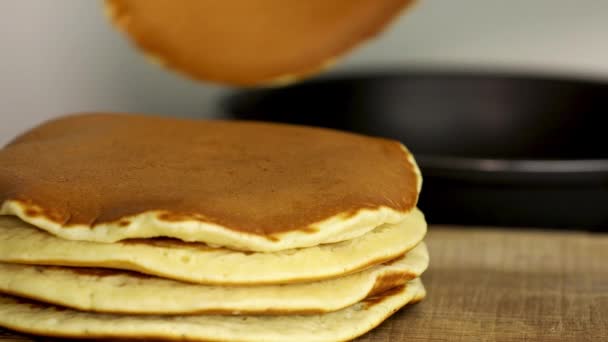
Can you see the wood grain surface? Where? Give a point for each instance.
(503, 285)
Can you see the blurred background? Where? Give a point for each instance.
(62, 56)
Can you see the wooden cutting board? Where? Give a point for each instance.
(503, 285)
(507, 285)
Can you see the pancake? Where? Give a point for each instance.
(346, 324)
(199, 263)
(103, 290)
(243, 185)
(250, 42)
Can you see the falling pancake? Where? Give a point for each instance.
(346, 324)
(199, 263)
(243, 185)
(103, 290)
(250, 42)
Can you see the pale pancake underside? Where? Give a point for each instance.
(22, 243)
(339, 325)
(149, 224)
(123, 292)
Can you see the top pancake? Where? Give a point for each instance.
(250, 42)
(243, 185)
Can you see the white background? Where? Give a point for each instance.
(60, 56)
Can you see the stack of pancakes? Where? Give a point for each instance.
(131, 226)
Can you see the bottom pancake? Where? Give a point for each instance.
(116, 291)
(41, 319)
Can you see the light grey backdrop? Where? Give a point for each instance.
(60, 56)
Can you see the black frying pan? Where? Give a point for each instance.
(494, 150)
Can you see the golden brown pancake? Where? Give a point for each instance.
(250, 41)
(116, 291)
(343, 325)
(198, 263)
(245, 185)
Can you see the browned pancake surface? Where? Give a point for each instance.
(251, 177)
(250, 41)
